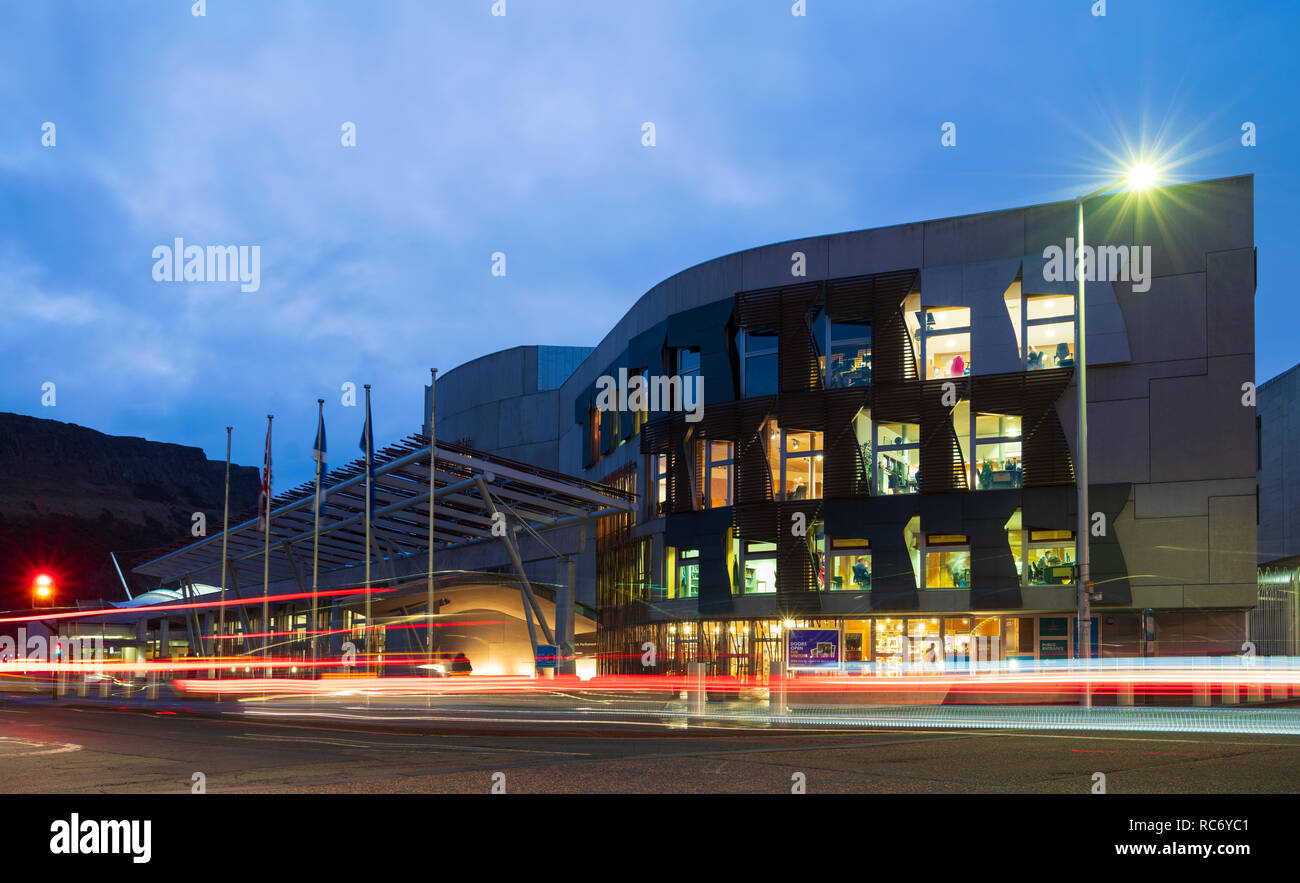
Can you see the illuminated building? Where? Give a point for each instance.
(909, 400)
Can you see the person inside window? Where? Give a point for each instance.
(861, 575)
(958, 366)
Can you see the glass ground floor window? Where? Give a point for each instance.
(896, 645)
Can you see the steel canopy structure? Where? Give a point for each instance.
(530, 498)
(478, 498)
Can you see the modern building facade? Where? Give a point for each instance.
(884, 440)
(1275, 625)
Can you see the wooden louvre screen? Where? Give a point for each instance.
(1046, 451)
(943, 468)
(797, 358)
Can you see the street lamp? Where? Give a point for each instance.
(1140, 177)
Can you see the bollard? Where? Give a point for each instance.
(151, 685)
(695, 687)
(81, 686)
(1230, 696)
(104, 684)
(1124, 693)
(776, 689)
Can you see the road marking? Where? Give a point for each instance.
(42, 747)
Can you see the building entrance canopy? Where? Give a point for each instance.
(530, 498)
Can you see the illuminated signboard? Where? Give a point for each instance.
(813, 648)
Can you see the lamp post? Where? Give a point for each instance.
(1139, 177)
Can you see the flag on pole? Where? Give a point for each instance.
(318, 454)
(368, 446)
(265, 489)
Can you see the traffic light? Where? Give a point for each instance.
(42, 588)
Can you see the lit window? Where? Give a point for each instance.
(1049, 326)
(1050, 557)
(802, 466)
(756, 563)
(659, 463)
(683, 568)
(947, 561)
(898, 458)
(850, 565)
(997, 451)
(719, 473)
(945, 344)
(849, 361)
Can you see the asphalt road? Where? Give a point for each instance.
(62, 748)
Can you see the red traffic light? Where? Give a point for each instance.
(43, 585)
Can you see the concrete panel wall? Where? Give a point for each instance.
(1199, 428)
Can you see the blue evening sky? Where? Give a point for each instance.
(522, 134)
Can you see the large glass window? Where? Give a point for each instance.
(683, 569)
(1049, 326)
(758, 372)
(888, 644)
(946, 342)
(720, 474)
(757, 564)
(803, 466)
(947, 561)
(997, 451)
(796, 461)
(1050, 557)
(850, 568)
(898, 458)
(849, 362)
(923, 640)
(956, 640)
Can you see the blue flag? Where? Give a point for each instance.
(368, 446)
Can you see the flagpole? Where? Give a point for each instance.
(266, 559)
(225, 535)
(315, 539)
(370, 445)
(433, 444)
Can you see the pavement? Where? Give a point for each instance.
(460, 746)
